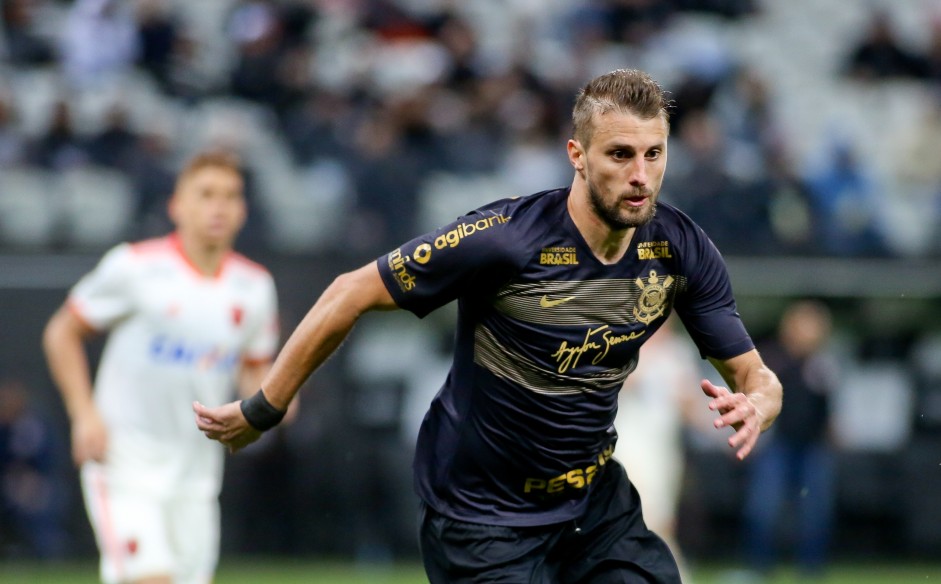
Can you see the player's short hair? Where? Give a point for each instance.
(627, 90)
(210, 159)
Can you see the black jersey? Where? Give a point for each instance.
(546, 336)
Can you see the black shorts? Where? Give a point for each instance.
(609, 544)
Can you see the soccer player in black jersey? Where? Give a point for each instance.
(556, 291)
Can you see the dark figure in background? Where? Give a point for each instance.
(157, 35)
(23, 45)
(796, 463)
(388, 173)
(32, 509)
(59, 147)
(880, 53)
(115, 146)
(845, 197)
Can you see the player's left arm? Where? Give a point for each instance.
(317, 336)
(750, 403)
(251, 377)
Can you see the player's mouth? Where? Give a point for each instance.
(636, 200)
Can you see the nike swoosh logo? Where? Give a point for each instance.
(546, 303)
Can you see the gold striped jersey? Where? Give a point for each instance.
(546, 336)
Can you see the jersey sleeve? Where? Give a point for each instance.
(471, 254)
(707, 306)
(263, 340)
(104, 295)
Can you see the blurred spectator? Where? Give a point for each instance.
(459, 39)
(918, 173)
(23, 46)
(59, 147)
(634, 22)
(795, 467)
(470, 136)
(99, 41)
(387, 177)
(32, 508)
(12, 143)
(187, 78)
(390, 20)
(726, 8)
(691, 94)
(714, 180)
(317, 127)
(115, 146)
(271, 68)
(534, 160)
(931, 58)
(844, 195)
(744, 108)
(464, 104)
(880, 54)
(153, 179)
(657, 400)
(157, 37)
(793, 223)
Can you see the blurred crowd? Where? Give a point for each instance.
(374, 99)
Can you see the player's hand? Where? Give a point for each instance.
(89, 437)
(739, 412)
(225, 424)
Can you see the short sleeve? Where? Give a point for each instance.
(104, 296)
(262, 342)
(471, 254)
(707, 306)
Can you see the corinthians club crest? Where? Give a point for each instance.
(652, 300)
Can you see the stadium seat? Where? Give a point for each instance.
(444, 197)
(872, 409)
(27, 216)
(307, 206)
(98, 205)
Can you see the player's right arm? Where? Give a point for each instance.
(64, 347)
(318, 335)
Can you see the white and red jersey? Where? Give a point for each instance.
(176, 336)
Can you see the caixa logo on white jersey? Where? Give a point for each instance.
(169, 351)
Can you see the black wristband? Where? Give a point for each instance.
(259, 412)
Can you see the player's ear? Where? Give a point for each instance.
(576, 154)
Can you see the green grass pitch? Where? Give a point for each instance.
(293, 571)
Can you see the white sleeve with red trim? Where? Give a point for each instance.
(262, 342)
(104, 296)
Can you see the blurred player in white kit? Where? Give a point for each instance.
(188, 319)
(654, 406)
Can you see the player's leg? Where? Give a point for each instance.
(457, 552)
(611, 543)
(129, 529)
(194, 536)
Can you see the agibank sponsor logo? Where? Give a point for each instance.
(453, 237)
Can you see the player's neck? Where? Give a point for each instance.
(204, 258)
(608, 245)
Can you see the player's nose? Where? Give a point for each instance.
(638, 173)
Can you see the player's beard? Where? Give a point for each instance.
(617, 217)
